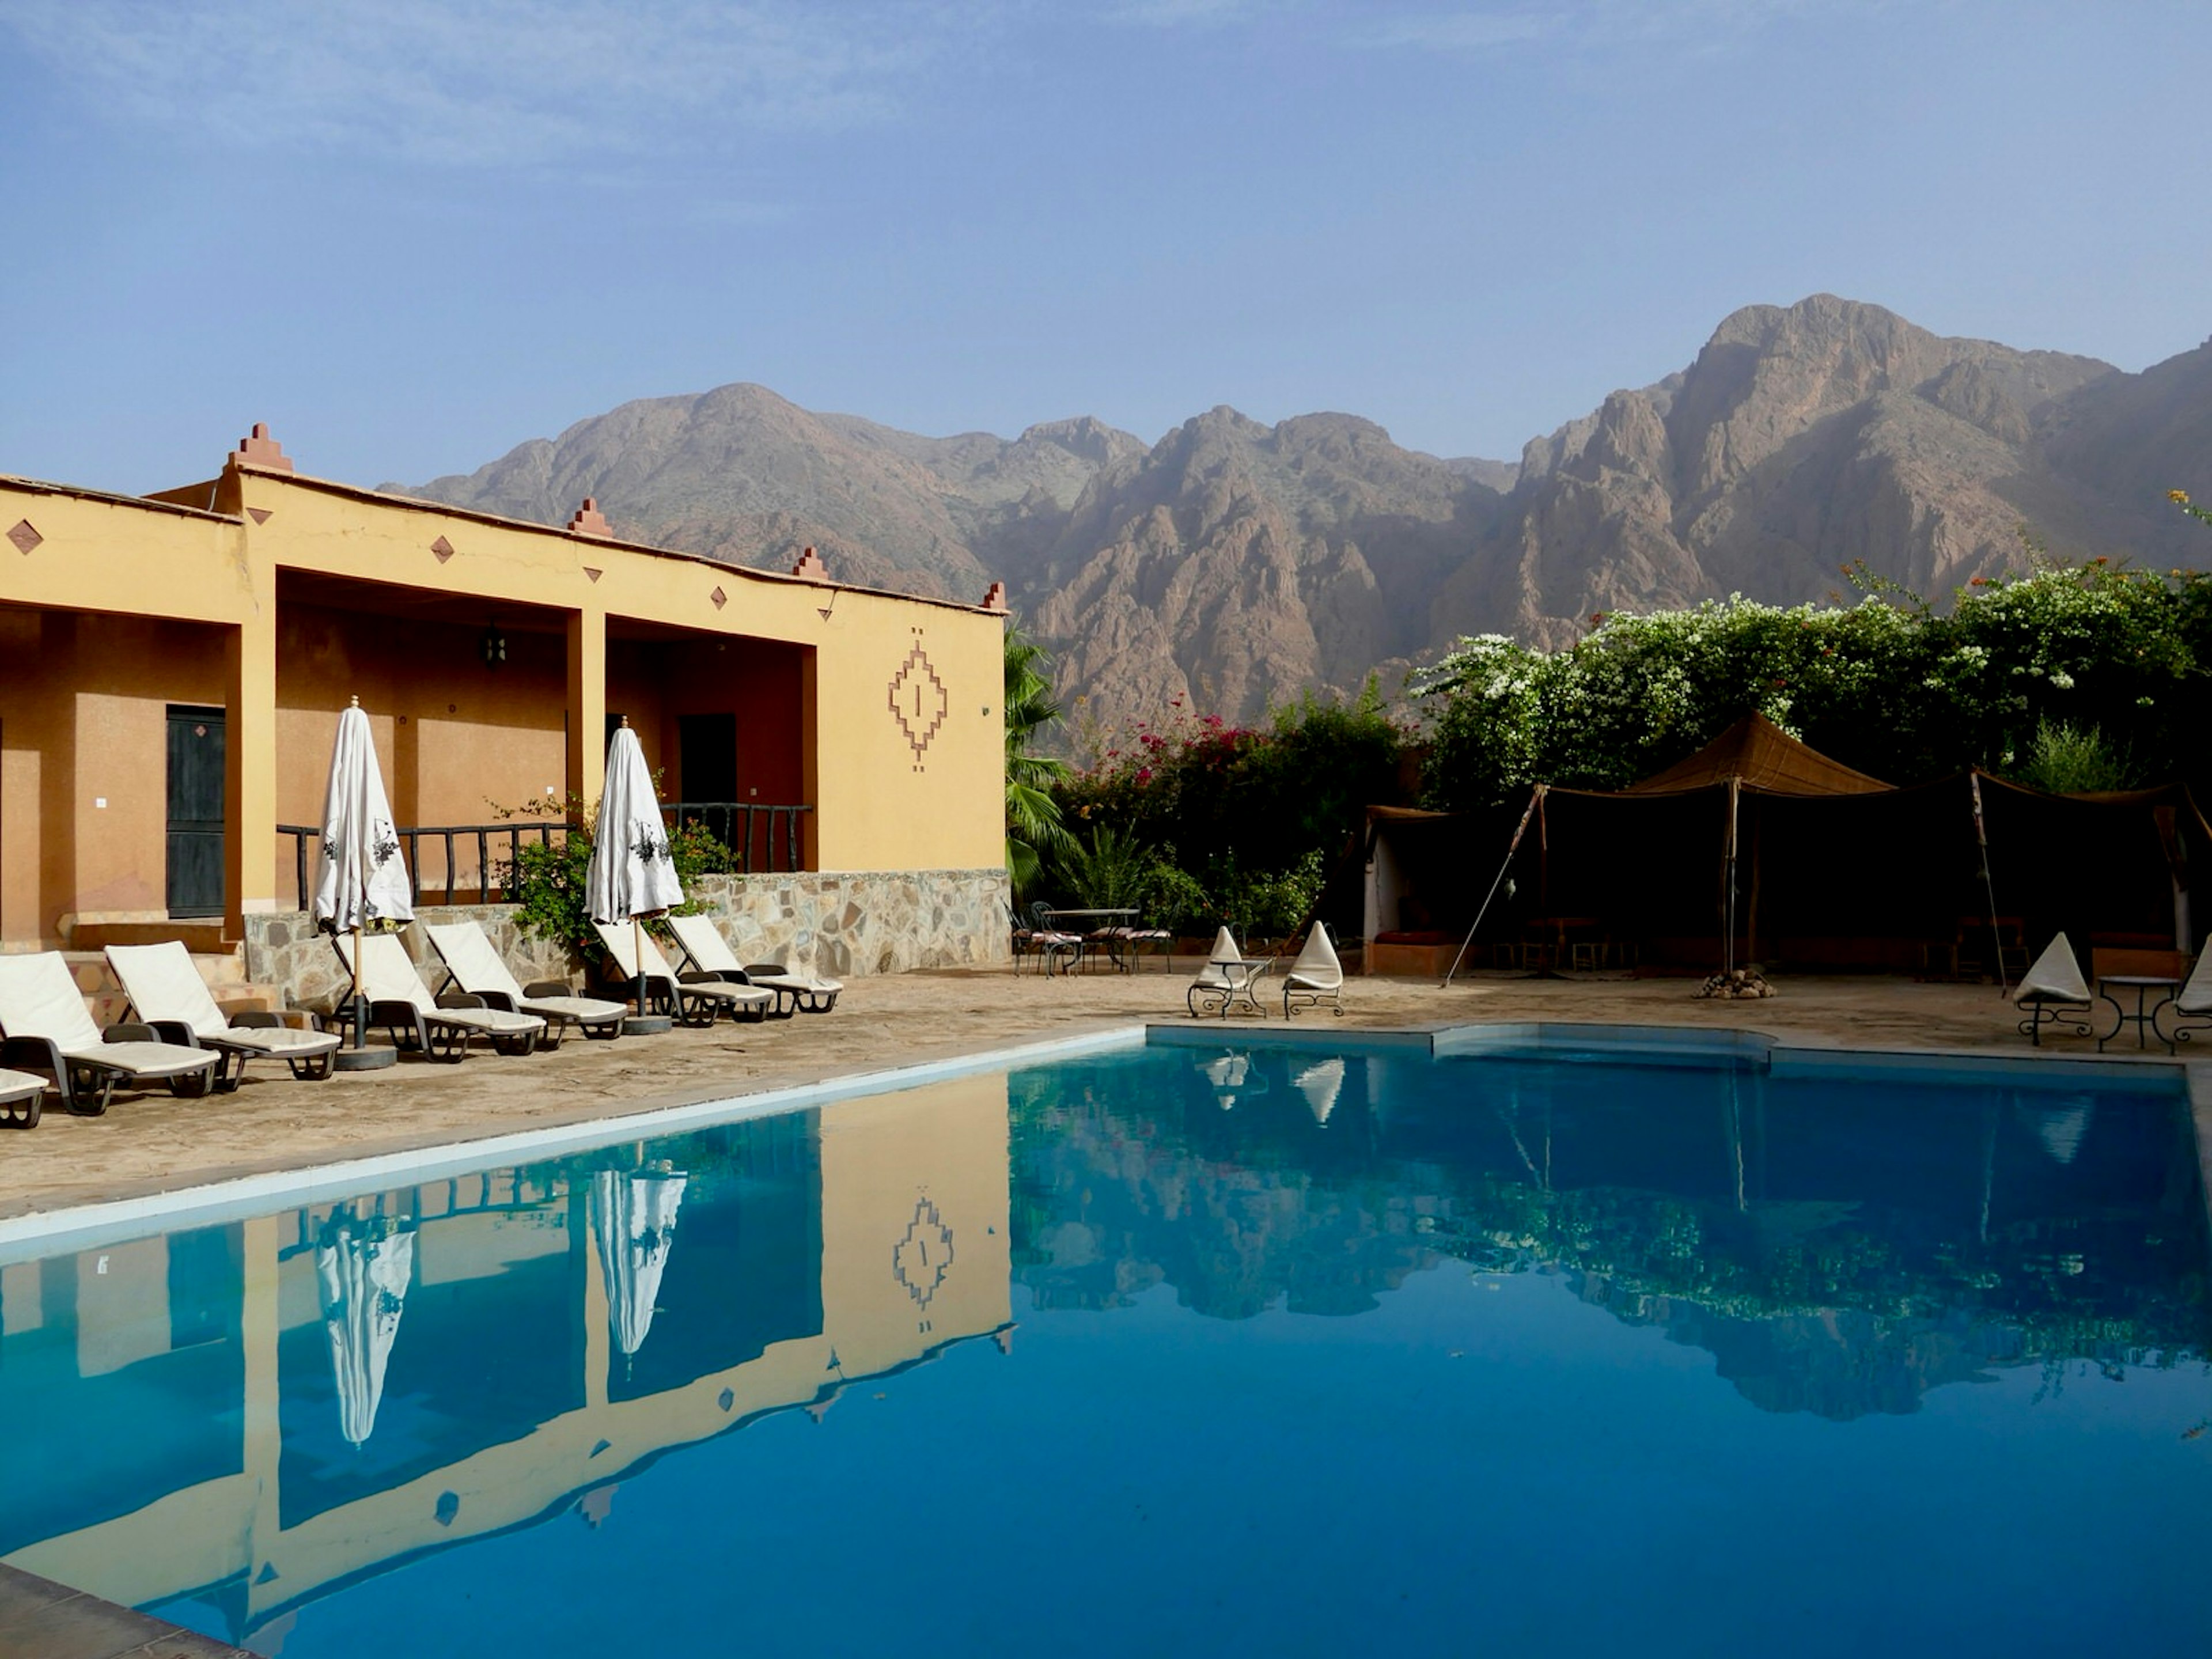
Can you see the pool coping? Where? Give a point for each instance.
(228, 1198)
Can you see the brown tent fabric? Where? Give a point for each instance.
(1763, 758)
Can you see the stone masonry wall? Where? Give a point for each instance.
(844, 926)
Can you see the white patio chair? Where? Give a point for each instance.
(2190, 1009)
(167, 992)
(44, 1025)
(1316, 977)
(1225, 980)
(2054, 992)
(438, 1027)
(473, 966)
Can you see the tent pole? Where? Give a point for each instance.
(1727, 896)
(1989, 883)
(1522, 829)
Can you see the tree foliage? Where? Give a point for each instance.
(1033, 815)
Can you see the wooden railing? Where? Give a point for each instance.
(746, 827)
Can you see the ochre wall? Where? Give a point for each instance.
(808, 669)
(84, 704)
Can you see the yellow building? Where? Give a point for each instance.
(171, 666)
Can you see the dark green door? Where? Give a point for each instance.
(196, 791)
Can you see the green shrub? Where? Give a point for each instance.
(546, 880)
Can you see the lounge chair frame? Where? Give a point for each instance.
(414, 1028)
(690, 997)
(21, 1094)
(68, 1048)
(553, 1000)
(87, 1084)
(171, 1013)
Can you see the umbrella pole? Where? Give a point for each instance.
(637, 956)
(359, 1013)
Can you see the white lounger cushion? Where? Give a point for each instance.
(2055, 977)
(163, 985)
(387, 974)
(621, 940)
(476, 968)
(1317, 968)
(16, 1086)
(37, 998)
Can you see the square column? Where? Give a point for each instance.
(249, 786)
(588, 704)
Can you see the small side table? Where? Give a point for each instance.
(2145, 1018)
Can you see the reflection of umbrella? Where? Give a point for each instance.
(632, 874)
(1321, 1082)
(2060, 1127)
(363, 881)
(362, 1271)
(636, 1218)
(1232, 1075)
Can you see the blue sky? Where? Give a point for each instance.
(410, 234)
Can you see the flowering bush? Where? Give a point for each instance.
(1889, 685)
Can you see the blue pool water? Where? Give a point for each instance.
(1177, 1350)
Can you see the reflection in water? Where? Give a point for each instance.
(362, 1266)
(1839, 1247)
(275, 1410)
(634, 1217)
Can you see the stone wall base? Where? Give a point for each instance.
(843, 925)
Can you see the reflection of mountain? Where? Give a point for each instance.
(1839, 1249)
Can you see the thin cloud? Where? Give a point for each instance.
(488, 83)
(1580, 23)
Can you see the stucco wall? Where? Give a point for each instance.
(844, 925)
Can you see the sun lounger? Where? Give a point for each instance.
(693, 998)
(19, 1099)
(167, 992)
(1225, 980)
(713, 961)
(437, 1026)
(2054, 992)
(1316, 977)
(473, 966)
(44, 1026)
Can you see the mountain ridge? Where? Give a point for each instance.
(1236, 564)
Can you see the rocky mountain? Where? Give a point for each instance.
(1234, 563)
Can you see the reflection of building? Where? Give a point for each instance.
(207, 1451)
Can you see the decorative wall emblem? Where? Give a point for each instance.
(921, 1259)
(25, 536)
(919, 701)
(443, 548)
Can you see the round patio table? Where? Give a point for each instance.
(2145, 1020)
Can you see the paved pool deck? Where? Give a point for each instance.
(153, 1143)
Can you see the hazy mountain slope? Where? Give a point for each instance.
(1235, 563)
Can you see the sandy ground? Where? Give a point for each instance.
(153, 1142)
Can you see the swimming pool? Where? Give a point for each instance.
(1529, 1342)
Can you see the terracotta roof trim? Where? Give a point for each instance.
(112, 498)
(416, 503)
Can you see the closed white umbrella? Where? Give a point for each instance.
(361, 1272)
(636, 1217)
(362, 883)
(632, 874)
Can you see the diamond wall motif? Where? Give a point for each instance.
(24, 535)
(919, 701)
